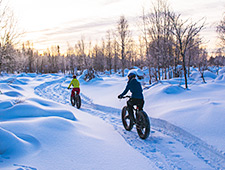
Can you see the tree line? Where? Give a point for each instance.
(168, 46)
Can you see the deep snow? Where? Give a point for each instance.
(39, 129)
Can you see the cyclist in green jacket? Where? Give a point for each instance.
(76, 85)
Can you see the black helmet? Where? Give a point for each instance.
(131, 75)
(74, 76)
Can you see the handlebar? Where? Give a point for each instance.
(125, 97)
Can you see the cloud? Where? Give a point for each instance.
(71, 32)
(109, 2)
(79, 28)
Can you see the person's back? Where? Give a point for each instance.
(76, 85)
(135, 88)
(137, 97)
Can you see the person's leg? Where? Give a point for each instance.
(72, 92)
(130, 109)
(140, 104)
(77, 90)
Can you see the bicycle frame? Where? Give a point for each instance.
(75, 99)
(141, 121)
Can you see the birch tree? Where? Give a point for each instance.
(221, 31)
(157, 35)
(184, 32)
(109, 51)
(123, 35)
(9, 35)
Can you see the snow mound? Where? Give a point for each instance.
(13, 81)
(126, 71)
(159, 91)
(44, 102)
(5, 104)
(173, 90)
(28, 110)
(11, 142)
(56, 123)
(5, 86)
(222, 71)
(16, 143)
(13, 94)
(209, 74)
(22, 75)
(195, 75)
(32, 75)
(66, 83)
(25, 79)
(192, 69)
(16, 87)
(220, 79)
(89, 76)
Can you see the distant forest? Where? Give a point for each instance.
(167, 43)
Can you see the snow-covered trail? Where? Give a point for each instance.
(168, 146)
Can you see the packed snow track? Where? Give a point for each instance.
(168, 147)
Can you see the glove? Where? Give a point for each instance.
(68, 88)
(120, 96)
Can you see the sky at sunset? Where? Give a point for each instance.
(54, 22)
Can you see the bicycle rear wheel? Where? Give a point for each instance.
(127, 122)
(143, 125)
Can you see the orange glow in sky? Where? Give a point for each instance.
(55, 22)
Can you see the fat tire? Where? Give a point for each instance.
(143, 125)
(78, 102)
(127, 122)
(72, 100)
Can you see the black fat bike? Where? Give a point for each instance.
(140, 119)
(75, 100)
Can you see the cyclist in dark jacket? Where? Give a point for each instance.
(137, 97)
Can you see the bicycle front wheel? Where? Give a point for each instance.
(78, 101)
(72, 100)
(127, 122)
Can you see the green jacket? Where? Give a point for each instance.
(75, 83)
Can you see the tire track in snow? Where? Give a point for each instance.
(160, 148)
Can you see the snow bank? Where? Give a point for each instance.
(43, 134)
(220, 79)
(195, 75)
(199, 110)
(209, 74)
(11, 143)
(18, 141)
(88, 76)
(222, 70)
(28, 110)
(4, 86)
(5, 104)
(13, 94)
(13, 81)
(173, 89)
